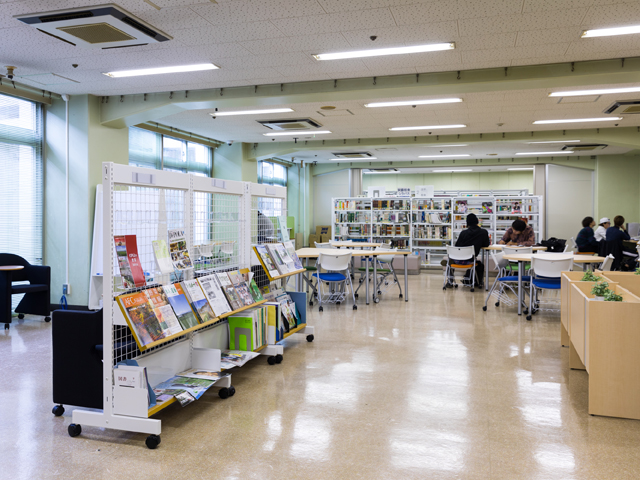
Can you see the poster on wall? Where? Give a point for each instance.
(376, 192)
(403, 192)
(424, 191)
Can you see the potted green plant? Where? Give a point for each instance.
(637, 271)
(599, 290)
(589, 276)
(611, 296)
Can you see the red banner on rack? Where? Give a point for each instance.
(128, 261)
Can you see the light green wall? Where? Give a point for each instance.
(90, 145)
(454, 181)
(235, 162)
(618, 187)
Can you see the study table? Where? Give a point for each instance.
(523, 258)
(315, 252)
(486, 251)
(360, 245)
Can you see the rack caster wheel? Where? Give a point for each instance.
(361, 280)
(152, 441)
(484, 309)
(444, 288)
(320, 309)
(279, 358)
(47, 319)
(497, 304)
(526, 310)
(355, 307)
(271, 361)
(58, 410)
(355, 295)
(455, 285)
(400, 296)
(21, 316)
(376, 300)
(232, 391)
(310, 338)
(6, 326)
(337, 303)
(74, 430)
(473, 290)
(223, 393)
(311, 304)
(528, 317)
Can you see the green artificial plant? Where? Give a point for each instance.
(589, 276)
(600, 289)
(612, 297)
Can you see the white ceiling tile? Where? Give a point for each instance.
(405, 35)
(425, 13)
(336, 22)
(228, 33)
(312, 43)
(481, 42)
(545, 5)
(173, 19)
(522, 22)
(351, 5)
(618, 14)
(482, 9)
(594, 45)
(250, 10)
(553, 35)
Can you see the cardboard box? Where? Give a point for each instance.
(323, 230)
(325, 238)
(312, 239)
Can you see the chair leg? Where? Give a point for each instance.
(395, 278)
(486, 302)
(531, 288)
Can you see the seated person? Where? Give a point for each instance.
(585, 240)
(519, 233)
(617, 232)
(477, 238)
(601, 232)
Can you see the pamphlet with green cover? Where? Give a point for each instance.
(241, 335)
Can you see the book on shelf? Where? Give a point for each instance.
(229, 290)
(289, 311)
(140, 317)
(247, 274)
(178, 250)
(181, 306)
(130, 268)
(236, 358)
(199, 303)
(242, 289)
(203, 374)
(163, 310)
(275, 326)
(163, 259)
(297, 263)
(214, 295)
(267, 262)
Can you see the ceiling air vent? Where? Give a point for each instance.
(381, 170)
(303, 124)
(102, 26)
(584, 147)
(352, 155)
(624, 106)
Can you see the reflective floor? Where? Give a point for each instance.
(430, 389)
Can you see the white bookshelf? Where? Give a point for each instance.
(391, 221)
(482, 206)
(351, 219)
(431, 228)
(509, 209)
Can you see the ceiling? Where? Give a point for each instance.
(271, 41)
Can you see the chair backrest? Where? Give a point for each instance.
(11, 259)
(323, 245)
(227, 247)
(499, 260)
(551, 266)
(335, 262)
(607, 264)
(633, 229)
(570, 246)
(461, 253)
(515, 250)
(385, 258)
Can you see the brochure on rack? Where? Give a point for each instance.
(128, 261)
(236, 358)
(178, 250)
(194, 386)
(203, 373)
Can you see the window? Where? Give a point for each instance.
(21, 178)
(271, 173)
(161, 152)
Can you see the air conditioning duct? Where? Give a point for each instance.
(352, 155)
(300, 124)
(628, 107)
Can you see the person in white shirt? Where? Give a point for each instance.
(601, 232)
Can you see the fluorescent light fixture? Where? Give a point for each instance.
(434, 47)
(577, 120)
(444, 156)
(302, 133)
(445, 146)
(252, 112)
(559, 141)
(533, 154)
(608, 32)
(433, 101)
(155, 71)
(453, 171)
(383, 173)
(599, 91)
(518, 169)
(353, 159)
(428, 127)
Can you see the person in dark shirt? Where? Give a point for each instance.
(617, 232)
(585, 240)
(476, 237)
(519, 233)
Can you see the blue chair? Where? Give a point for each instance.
(505, 283)
(547, 269)
(337, 273)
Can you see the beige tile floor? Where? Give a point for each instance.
(430, 389)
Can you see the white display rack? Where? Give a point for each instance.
(435, 222)
(220, 221)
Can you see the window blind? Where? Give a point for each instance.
(271, 173)
(21, 178)
(145, 148)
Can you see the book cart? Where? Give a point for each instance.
(218, 213)
(432, 223)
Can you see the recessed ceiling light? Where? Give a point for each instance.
(454, 171)
(492, 154)
(444, 156)
(433, 101)
(559, 141)
(515, 169)
(445, 146)
(386, 51)
(303, 133)
(155, 71)
(251, 112)
(599, 91)
(428, 127)
(577, 120)
(327, 107)
(607, 32)
(533, 154)
(353, 159)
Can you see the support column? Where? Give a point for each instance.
(355, 182)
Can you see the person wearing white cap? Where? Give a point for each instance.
(601, 231)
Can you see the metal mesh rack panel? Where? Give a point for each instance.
(265, 228)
